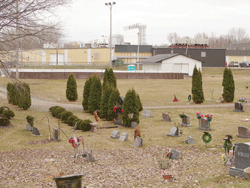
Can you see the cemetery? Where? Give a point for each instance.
(122, 147)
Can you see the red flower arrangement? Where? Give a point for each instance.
(75, 142)
(199, 115)
(209, 117)
(117, 109)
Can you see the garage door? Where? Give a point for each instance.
(52, 59)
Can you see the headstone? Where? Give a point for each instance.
(123, 137)
(174, 132)
(242, 160)
(133, 124)
(175, 154)
(138, 142)
(147, 113)
(165, 117)
(230, 161)
(205, 125)
(185, 120)
(243, 132)
(35, 131)
(28, 127)
(93, 127)
(238, 107)
(164, 164)
(190, 140)
(115, 134)
(118, 120)
(56, 134)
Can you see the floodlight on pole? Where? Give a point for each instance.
(110, 5)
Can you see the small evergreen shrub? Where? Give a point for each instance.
(4, 121)
(56, 111)
(71, 91)
(2, 109)
(8, 114)
(24, 97)
(75, 121)
(84, 125)
(71, 119)
(65, 115)
(30, 120)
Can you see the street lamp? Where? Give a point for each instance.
(110, 5)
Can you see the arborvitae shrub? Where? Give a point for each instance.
(75, 120)
(64, 115)
(24, 101)
(86, 92)
(197, 91)
(84, 125)
(113, 101)
(71, 119)
(95, 94)
(107, 90)
(57, 111)
(8, 114)
(228, 85)
(4, 121)
(10, 92)
(139, 102)
(30, 120)
(71, 91)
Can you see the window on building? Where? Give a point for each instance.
(203, 54)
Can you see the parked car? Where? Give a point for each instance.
(245, 64)
(233, 64)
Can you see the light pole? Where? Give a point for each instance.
(110, 5)
(138, 50)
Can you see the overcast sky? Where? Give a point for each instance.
(86, 20)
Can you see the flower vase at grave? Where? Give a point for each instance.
(167, 177)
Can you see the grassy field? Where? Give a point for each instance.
(153, 93)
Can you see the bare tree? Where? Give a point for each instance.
(201, 35)
(170, 36)
(27, 21)
(237, 35)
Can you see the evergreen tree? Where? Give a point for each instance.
(106, 93)
(112, 78)
(71, 91)
(24, 101)
(105, 77)
(140, 108)
(130, 106)
(113, 101)
(95, 94)
(197, 91)
(86, 91)
(10, 92)
(228, 85)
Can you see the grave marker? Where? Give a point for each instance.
(238, 107)
(35, 131)
(243, 132)
(166, 117)
(190, 140)
(185, 120)
(133, 124)
(115, 134)
(123, 137)
(56, 135)
(174, 132)
(138, 142)
(205, 125)
(147, 113)
(118, 120)
(28, 127)
(242, 160)
(93, 127)
(175, 154)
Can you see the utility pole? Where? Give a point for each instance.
(110, 5)
(17, 45)
(138, 50)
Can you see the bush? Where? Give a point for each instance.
(71, 119)
(2, 109)
(30, 120)
(56, 111)
(113, 101)
(71, 91)
(95, 94)
(4, 121)
(24, 101)
(84, 125)
(107, 90)
(197, 90)
(86, 91)
(228, 85)
(65, 115)
(8, 114)
(74, 121)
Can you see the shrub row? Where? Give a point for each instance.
(6, 114)
(69, 118)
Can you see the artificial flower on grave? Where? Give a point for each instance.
(242, 99)
(199, 115)
(75, 141)
(169, 154)
(209, 117)
(115, 108)
(166, 175)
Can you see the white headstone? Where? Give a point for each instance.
(147, 113)
(115, 134)
(28, 127)
(138, 142)
(190, 140)
(173, 132)
(124, 137)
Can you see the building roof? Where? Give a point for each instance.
(160, 57)
(133, 48)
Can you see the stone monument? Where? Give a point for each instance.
(205, 125)
(115, 134)
(147, 113)
(166, 117)
(123, 137)
(238, 107)
(243, 132)
(185, 120)
(174, 132)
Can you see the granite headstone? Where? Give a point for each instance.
(165, 117)
(185, 120)
(138, 142)
(115, 134)
(175, 154)
(190, 140)
(205, 125)
(174, 132)
(133, 124)
(243, 132)
(147, 113)
(123, 137)
(93, 127)
(35, 131)
(238, 107)
(28, 127)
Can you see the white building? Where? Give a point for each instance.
(135, 34)
(174, 63)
